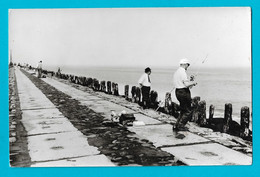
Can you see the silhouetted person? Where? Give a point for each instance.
(39, 69)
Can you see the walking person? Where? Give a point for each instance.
(39, 69)
(145, 85)
(182, 91)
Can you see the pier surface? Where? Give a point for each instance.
(68, 125)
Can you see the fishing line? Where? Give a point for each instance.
(203, 61)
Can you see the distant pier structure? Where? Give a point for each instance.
(11, 59)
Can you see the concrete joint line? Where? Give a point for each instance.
(163, 123)
(28, 109)
(65, 158)
(188, 144)
(50, 133)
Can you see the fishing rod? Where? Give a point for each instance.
(203, 61)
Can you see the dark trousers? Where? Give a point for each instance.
(184, 97)
(145, 96)
(39, 73)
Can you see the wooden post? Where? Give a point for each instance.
(96, 84)
(211, 113)
(133, 92)
(109, 87)
(244, 122)
(202, 121)
(227, 117)
(84, 81)
(103, 86)
(116, 92)
(195, 109)
(76, 80)
(138, 94)
(151, 98)
(154, 97)
(89, 82)
(69, 78)
(126, 91)
(175, 109)
(113, 88)
(168, 103)
(80, 80)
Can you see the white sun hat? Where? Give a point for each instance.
(184, 61)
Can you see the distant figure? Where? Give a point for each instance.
(145, 85)
(39, 69)
(183, 84)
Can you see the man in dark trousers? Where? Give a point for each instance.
(182, 91)
(145, 85)
(39, 69)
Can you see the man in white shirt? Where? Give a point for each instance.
(182, 91)
(39, 69)
(145, 85)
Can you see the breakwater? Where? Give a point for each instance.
(89, 111)
(223, 124)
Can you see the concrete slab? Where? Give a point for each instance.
(94, 102)
(59, 146)
(162, 135)
(30, 95)
(147, 120)
(152, 113)
(40, 113)
(46, 142)
(89, 161)
(73, 92)
(44, 126)
(209, 154)
(27, 105)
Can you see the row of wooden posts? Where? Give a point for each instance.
(225, 125)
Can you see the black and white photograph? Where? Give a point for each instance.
(109, 87)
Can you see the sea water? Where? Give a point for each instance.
(217, 86)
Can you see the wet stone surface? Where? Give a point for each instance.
(114, 141)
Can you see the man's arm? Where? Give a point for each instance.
(188, 83)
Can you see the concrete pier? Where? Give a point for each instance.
(53, 140)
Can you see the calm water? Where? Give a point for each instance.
(215, 86)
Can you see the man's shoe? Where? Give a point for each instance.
(180, 136)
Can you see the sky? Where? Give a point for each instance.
(131, 36)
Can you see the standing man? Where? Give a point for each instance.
(39, 69)
(145, 85)
(183, 84)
